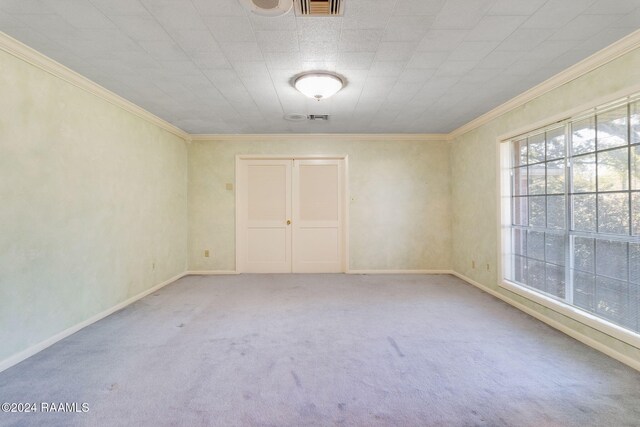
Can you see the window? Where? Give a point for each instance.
(572, 231)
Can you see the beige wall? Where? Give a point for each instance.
(399, 213)
(91, 197)
(475, 174)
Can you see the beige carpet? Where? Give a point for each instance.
(318, 350)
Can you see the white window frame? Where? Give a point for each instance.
(504, 206)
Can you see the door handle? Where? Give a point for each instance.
(288, 222)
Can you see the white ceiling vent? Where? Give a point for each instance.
(268, 7)
(319, 7)
(320, 117)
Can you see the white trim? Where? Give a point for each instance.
(345, 195)
(399, 272)
(633, 363)
(290, 157)
(345, 220)
(598, 59)
(24, 354)
(238, 217)
(576, 314)
(44, 63)
(211, 272)
(424, 137)
(503, 208)
(582, 109)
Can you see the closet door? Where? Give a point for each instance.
(317, 216)
(264, 189)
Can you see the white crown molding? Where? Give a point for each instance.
(323, 136)
(598, 59)
(39, 60)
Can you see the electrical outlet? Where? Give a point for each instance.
(206, 253)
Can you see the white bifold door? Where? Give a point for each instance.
(290, 216)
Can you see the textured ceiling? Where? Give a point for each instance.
(413, 66)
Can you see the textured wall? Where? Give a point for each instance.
(399, 214)
(475, 172)
(90, 198)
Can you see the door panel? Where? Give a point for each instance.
(318, 245)
(268, 188)
(263, 240)
(318, 192)
(265, 207)
(317, 216)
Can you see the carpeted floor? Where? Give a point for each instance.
(318, 350)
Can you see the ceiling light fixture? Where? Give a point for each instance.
(318, 85)
(268, 7)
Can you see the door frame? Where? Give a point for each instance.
(345, 202)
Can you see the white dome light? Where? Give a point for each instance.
(319, 85)
(268, 7)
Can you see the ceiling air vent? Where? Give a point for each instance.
(319, 7)
(321, 117)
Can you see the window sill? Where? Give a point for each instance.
(608, 328)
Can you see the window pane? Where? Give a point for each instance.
(555, 280)
(611, 259)
(634, 263)
(520, 152)
(535, 245)
(635, 122)
(520, 211)
(635, 166)
(556, 207)
(584, 174)
(519, 242)
(584, 289)
(613, 170)
(554, 248)
(555, 143)
(537, 211)
(583, 136)
(520, 183)
(584, 254)
(536, 277)
(584, 212)
(615, 302)
(536, 148)
(520, 269)
(613, 213)
(537, 179)
(612, 128)
(555, 177)
(635, 211)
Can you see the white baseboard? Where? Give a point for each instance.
(633, 363)
(17, 358)
(211, 273)
(399, 272)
